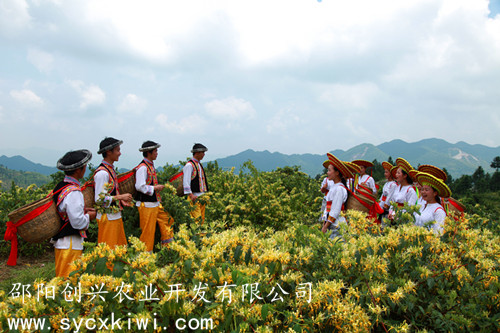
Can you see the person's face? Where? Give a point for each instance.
(362, 169)
(153, 155)
(387, 174)
(399, 175)
(428, 193)
(332, 173)
(114, 154)
(199, 155)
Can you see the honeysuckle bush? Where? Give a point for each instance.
(395, 279)
(261, 264)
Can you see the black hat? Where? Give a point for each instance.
(108, 144)
(149, 145)
(74, 160)
(198, 147)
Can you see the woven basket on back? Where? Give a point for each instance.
(366, 195)
(88, 194)
(40, 228)
(452, 210)
(127, 185)
(354, 204)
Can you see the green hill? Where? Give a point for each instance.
(21, 178)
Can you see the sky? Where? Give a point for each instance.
(293, 76)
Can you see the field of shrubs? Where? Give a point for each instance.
(260, 263)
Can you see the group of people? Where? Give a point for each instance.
(424, 186)
(76, 218)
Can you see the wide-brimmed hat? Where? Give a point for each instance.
(149, 145)
(393, 171)
(74, 160)
(387, 165)
(413, 174)
(354, 168)
(424, 178)
(404, 164)
(365, 163)
(108, 144)
(326, 164)
(435, 171)
(341, 166)
(198, 147)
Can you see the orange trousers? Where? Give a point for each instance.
(149, 216)
(111, 232)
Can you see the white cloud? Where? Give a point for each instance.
(230, 108)
(354, 96)
(132, 104)
(185, 125)
(14, 17)
(90, 95)
(27, 98)
(43, 61)
(282, 121)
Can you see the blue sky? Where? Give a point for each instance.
(290, 76)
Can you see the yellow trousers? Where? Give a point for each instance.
(64, 258)
(111, 232)
(148, 218)
(199, 210)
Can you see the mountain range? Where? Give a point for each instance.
(458, 159)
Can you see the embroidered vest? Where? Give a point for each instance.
(61, 191)
(150, 180)
(198, 180)
(113, 179)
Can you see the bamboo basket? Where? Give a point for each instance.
(41, 227)
(177, 182)
(452, 210)
(126, 182)
(354, 204)
(89, 194)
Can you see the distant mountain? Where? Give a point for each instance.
(22, 164)
(21, 178)
(458, 159)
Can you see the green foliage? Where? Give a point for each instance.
(20, 178)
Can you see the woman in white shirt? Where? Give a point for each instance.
(337, 172)
(432, 213)
(325, 187)
(365, 179)
(404, 192)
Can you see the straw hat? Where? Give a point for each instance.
(427, 179)
(354, 168)
(339, 165)
(387, 165)
(403, 164)
(326, 164)
(413, 174)
(393, 171)
(108, 144)
(149, 145)
(435, 171)
(366, 164)
(74, 160)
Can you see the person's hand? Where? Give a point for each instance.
(158, 187)
(326, 224)
(124, 197)
(324, 188)
(92, 212)
(192, 197)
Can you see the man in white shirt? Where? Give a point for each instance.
(75, 218)
(148, 199)
(195, 182)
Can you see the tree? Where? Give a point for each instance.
(495, 164)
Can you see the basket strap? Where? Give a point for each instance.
(11, 232)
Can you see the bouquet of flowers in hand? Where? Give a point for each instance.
(103, 206)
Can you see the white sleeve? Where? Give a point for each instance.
(411, 197)
(371, 184)
(140, 181)
(101, 178)
(74, 205)
(439, 216)
(337, 201)
(186, 178)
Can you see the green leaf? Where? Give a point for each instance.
(265, 310)
(237, 253)
(100, 266)
(248, 256)
(118, 269)
(215, 274)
